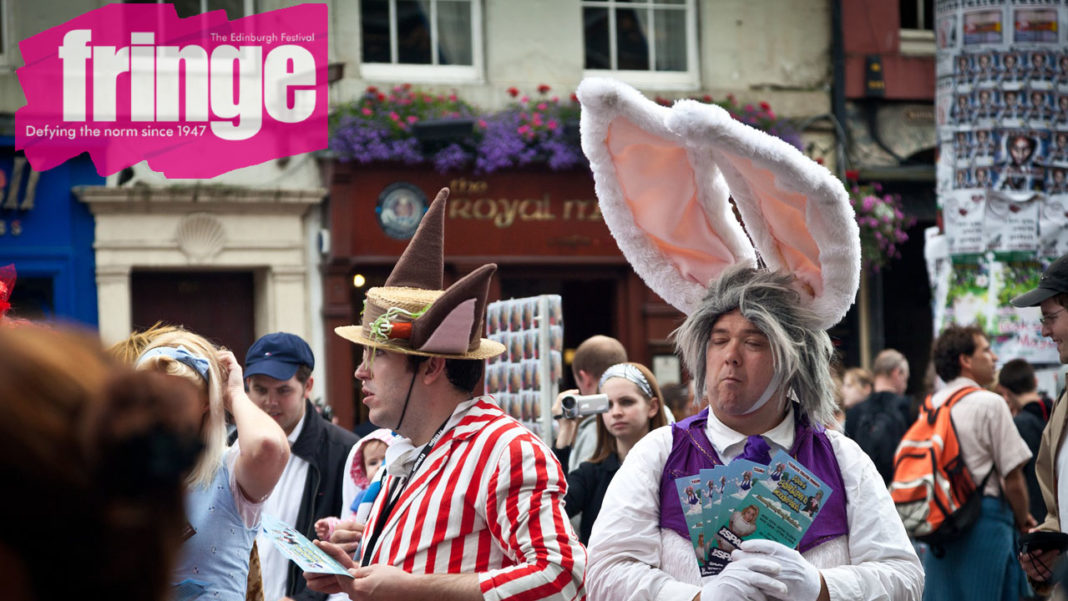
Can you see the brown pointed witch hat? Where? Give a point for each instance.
(411, 314)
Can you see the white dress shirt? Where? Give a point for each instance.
(284, 504)
(632, 558)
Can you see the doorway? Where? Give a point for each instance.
(218, 305)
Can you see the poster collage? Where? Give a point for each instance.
(1002, 173)
(534, 341)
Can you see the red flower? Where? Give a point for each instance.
(574, 97)
(765, 106)
(372, 89)
(819, 160)
(852, 175)
(707, 98)
(543, 88)
(406, 86)
(513, 92)
(381, 97)
(663, 101)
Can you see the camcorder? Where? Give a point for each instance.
(576, 405)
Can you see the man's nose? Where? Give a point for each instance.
(733, 355)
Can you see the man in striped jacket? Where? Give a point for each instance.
(471, 506)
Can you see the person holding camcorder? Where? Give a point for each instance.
(630, 406)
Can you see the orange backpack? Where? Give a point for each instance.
(932, 489)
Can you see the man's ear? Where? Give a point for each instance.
(308, 387)
(432, 369)
(965, 361)
(583, 379)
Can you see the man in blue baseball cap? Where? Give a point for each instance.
(278, 373)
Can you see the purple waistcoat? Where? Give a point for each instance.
(691, 452)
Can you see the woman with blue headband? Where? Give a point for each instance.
(635, 408)
(226, 489)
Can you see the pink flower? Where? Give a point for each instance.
(482, 123)
(869, 203)
(552, 125)
(749, 108)
(541, 106)
(412, 118)
(394, 116)
(366, 111)
(537, 119)
(523, 129)
(525, 99)
(554, 99)
(452, 97)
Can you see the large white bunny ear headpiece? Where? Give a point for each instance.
(664, 177)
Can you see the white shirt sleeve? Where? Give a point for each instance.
(624, 547)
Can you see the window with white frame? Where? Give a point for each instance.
(647, 42)
(917, 26)
(421, 40)
(235, 9)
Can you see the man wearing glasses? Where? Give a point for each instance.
(1051, 296)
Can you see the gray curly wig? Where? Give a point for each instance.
(802, 351)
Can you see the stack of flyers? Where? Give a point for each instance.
(745, 500)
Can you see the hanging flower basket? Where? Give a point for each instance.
(883, 224)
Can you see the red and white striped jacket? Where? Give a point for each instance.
(487, 499)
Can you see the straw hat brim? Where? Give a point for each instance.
(486, 348)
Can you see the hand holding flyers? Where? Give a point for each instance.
(801, 578)
(748, 501)
(299, 549)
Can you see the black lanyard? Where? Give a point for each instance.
(392, 496)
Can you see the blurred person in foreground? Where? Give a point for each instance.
(95, 457)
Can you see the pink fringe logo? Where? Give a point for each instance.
(194, 97)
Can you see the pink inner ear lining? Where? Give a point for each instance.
(654, 174)
(453, 335)
(784, 214)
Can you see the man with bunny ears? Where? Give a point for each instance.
(755, 341)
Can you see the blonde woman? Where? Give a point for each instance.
(227, 487)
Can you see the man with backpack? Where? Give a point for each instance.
(979, 564)
(1051, 296)
(878, 422)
